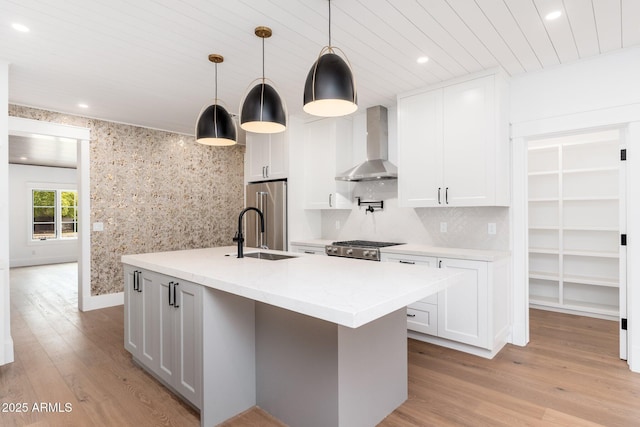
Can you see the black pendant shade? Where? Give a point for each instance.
(215, 126)
(263, 111)
(330, 90)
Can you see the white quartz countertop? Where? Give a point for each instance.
(321, 243)
(348, 292)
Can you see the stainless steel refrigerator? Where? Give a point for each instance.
(271, 198)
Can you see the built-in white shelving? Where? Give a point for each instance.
(574, 230)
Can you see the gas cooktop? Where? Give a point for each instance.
(361, 249)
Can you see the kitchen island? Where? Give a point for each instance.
(314, 341)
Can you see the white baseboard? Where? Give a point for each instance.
(96, 302)
(29, 262)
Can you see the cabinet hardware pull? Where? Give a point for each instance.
(330, 196)
(175, 295)
(169, 288)
(406, 262)
(267, 171)
(439, 202)
(309, 252)
(440, 264)
(135, 281)
(446, 196)
(411, 315)
(139, 287)
(263, 171)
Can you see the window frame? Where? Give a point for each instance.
(58, 189)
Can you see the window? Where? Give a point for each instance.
(54, 214)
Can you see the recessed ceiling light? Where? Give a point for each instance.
(553, 15)
(23, 158)
(83, 105)
(422, 60)
(20, 27)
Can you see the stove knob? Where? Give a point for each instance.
(334, 250)
(349, 251)
(365, 253)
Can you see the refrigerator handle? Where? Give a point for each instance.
(263, 236)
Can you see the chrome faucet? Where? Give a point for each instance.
(239, 237)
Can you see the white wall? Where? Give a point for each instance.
(601, 91)
(24, 251)
(6, 343)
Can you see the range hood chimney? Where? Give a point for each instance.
(376, 166)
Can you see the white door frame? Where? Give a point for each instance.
(26, 127)
(627, 117)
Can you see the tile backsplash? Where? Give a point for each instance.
(466, 227)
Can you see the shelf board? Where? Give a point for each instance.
(590, 170)
(544, 227)
(606, 282)
(596, 254)
(587, 228)
(541, 275)
(546, 199)
(544, 251)
(542, 173)
(591, 199)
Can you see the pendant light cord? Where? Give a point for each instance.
(263, 60)
(329, 23)
(216, 91)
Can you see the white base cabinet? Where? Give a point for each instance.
(471, 315)
(163, 329)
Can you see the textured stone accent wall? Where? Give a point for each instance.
(154, 191)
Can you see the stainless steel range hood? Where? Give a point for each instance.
(376, 166)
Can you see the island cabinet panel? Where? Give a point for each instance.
(453, 144)
(163, 329)
(471, 314)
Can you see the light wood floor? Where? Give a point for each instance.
(569, 374)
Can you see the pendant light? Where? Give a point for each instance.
(262, 110)
(215, 125)
(330, 89)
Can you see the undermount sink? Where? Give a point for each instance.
(269, 256)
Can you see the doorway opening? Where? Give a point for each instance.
(55, 142)
(576, 210)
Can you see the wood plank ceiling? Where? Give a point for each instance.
(145, 62)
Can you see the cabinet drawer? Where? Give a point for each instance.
(424, 320)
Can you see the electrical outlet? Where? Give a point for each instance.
(443, 227)
(491, 228)
(98, 226)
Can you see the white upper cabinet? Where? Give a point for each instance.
(453, 145)
(267, 156)
(327, 152)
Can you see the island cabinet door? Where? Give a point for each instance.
(132, 311)
(188, 342)
(463, 306)
(180, 336)
(141, 316)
